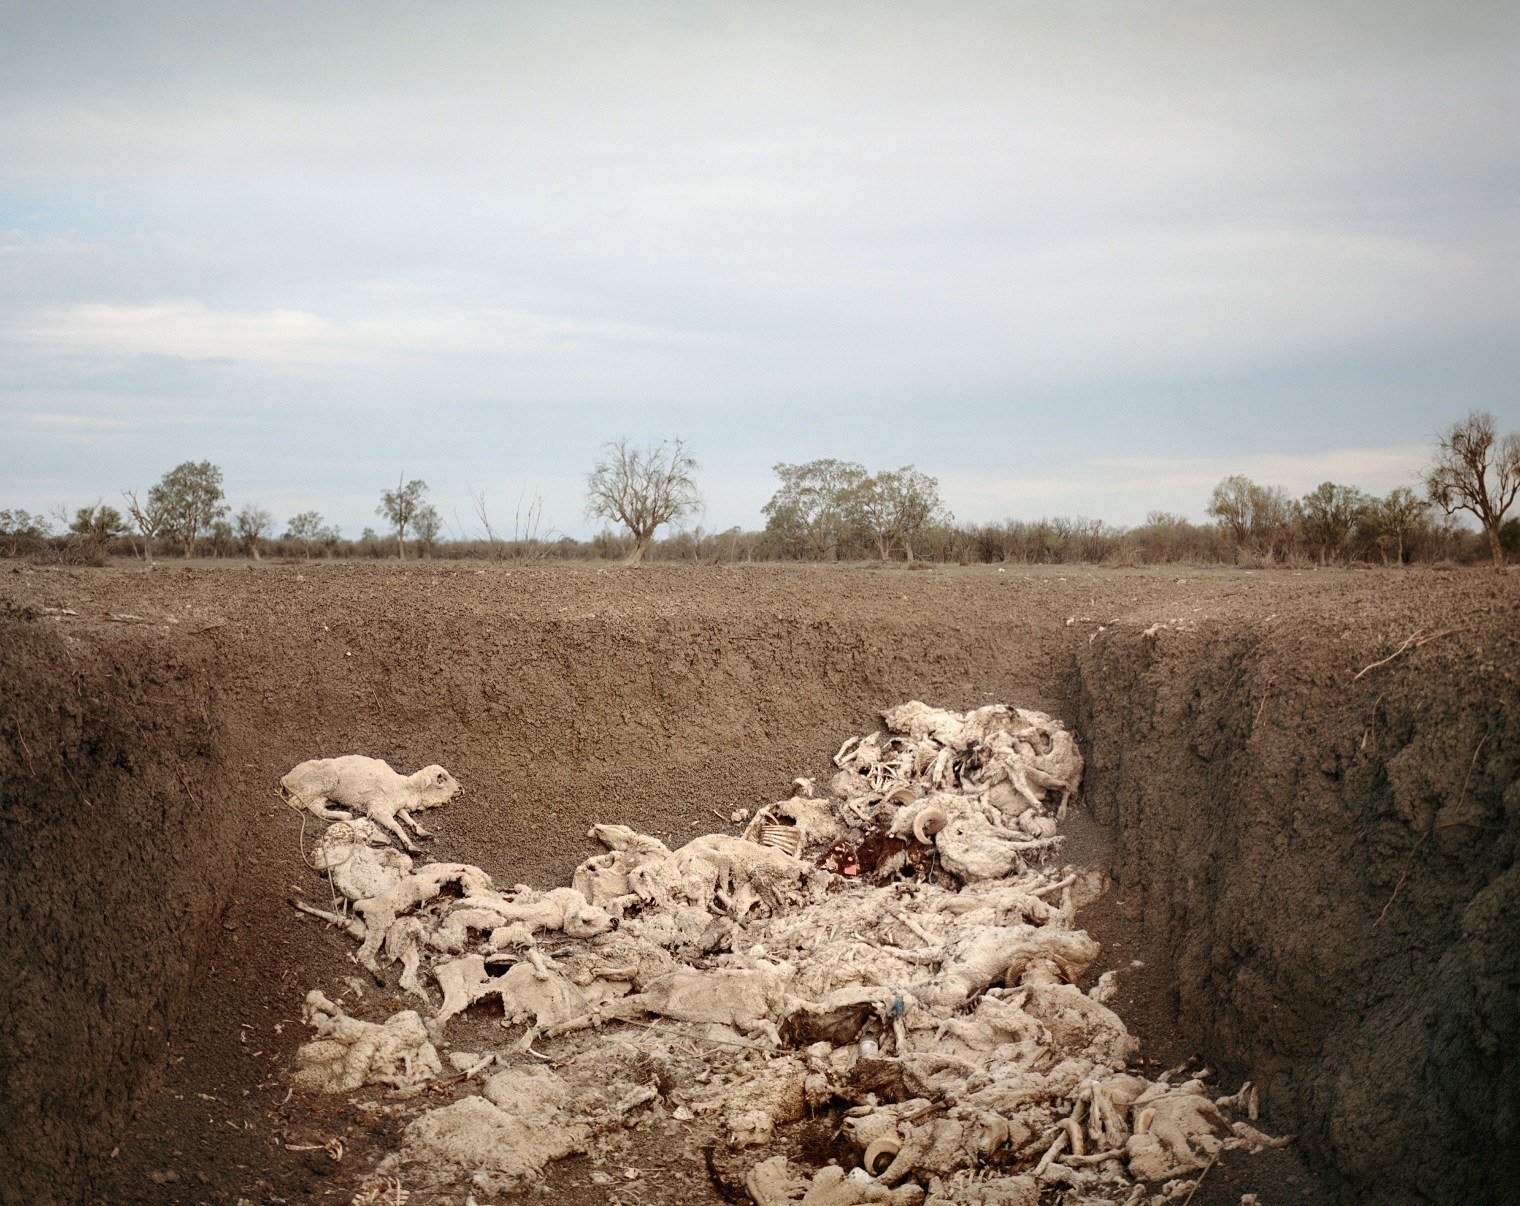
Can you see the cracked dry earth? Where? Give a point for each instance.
(1314, 868)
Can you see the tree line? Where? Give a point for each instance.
(187, 510)
(830, 509)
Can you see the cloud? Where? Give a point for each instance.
(78, 425)
(1123, 489)
(295, 339)
(173, 328)
(1007, 243)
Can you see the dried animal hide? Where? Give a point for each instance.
(1175, 1132)
(744, 999)
(546, 997)
(564, 909)
(975, 849)
(963, 1190)
(349, 1052)
(379, 913)
(371, 788)
(1076, 1023)
(941, 1003)
(753, 1106)
(727, 875)
(603, 880)
(498, 1150)
(529, 1117)
(359, 867)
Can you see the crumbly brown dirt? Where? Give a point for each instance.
(1316, 869)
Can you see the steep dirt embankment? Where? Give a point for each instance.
(559, 698)
(108, 906)
(1332, 864)
(1268, 809)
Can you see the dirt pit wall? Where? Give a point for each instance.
(115, 849)
(561, 696)
(1330, 862)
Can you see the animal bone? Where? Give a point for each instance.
(946, 1015)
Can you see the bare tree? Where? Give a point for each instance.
(643, 488)
(149, 517)
(526, 540)
(1478, 471)
(1263, 517)
(253, 524)
(401, 506)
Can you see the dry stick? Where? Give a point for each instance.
(1414, 639)
(1371, 733)
(1409, 862)
(1266, 692)
(1201, 1176)
(77, 788)
(31, 769)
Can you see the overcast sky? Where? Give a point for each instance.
(1082, 257)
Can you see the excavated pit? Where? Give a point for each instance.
(1317, 868)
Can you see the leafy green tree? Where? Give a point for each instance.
(309, 529)
(22, 532)
(1478, 471)
(642, 489)
(190, 499)
(817, 509)
(24, 523)
(253, 525)
(400, 507)
(1509, 537)
(1391, 522)
(427, 523)
(98, 524)
(894, 507)
(1230, 504)
(1330, 514)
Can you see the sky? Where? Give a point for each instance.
(1077, 257)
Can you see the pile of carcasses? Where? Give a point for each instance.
(900, 955)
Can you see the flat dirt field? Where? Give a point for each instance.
(1302, 785)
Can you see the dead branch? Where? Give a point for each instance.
(1212, 1160)
(1415, 641)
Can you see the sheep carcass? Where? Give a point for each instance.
(369, 786)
